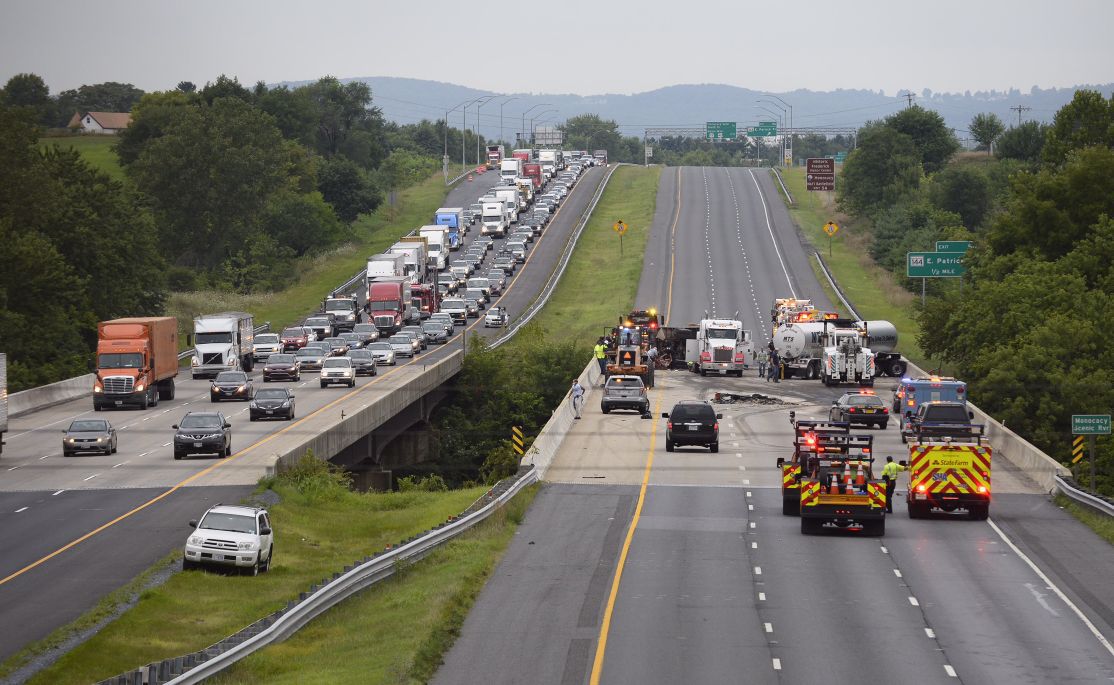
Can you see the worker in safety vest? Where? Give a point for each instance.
(889, 474)
(601, 358)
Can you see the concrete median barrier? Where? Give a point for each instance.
(27, 401)
(548, 442)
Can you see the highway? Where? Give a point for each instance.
(716, 585)
(73, 529)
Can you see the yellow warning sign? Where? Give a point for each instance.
(1076, 449)
(516, 440)
(619, 227)
(831, 228)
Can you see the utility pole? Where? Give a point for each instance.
(1019, 109)
(909, 97)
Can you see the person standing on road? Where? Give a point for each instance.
(761, 357)
(651, 362)
(889, 475)
(773, 369)
(577, 395)
(601, 359)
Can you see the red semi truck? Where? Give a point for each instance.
(428, 297)
(533, 171)
(137, 362)
(388, 303)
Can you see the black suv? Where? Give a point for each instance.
(692, 422)
(203, 432)
(936, 417)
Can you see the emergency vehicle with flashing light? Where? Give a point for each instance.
(949, 470)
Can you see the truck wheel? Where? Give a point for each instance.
(144, 402)
(155, 396)
(97, 407)
(791, 506)
(668, 445)
(166, 390)
(897, 368)
(812, 371)
(714, 447)
(249, 364)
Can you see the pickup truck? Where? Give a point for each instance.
(929, 413)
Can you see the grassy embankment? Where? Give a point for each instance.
(599, 285)
(97, 151)
(315, 536)
(871, 289)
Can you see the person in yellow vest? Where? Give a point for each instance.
(889, 475)
(600, 351)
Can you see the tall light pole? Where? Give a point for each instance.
(501, 105)
(786, 147)
(777, 115)
(792, 135)
(476, 128)
(445, 157)
(536, 117)
(543, 104)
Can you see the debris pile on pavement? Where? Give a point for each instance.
(753, 398)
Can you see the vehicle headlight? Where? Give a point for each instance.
(253, 405)
(286, 403)
(101, 439)
(231, 361)
(248, 546)
(195, 362)
(97, 388)
(241, 388)
(196, 540)
(139, 387)
(70, 440)
(215, 389)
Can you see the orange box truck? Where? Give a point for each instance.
(137, 362)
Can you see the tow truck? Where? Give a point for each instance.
(837, 486)
(949, 469)
(810, 438)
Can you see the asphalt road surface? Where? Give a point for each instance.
(717, 585)
(63, 540)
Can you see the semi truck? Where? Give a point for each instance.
(510, 169)
(452, 218)
(524, 153)
(389, 303)
(846, 358)
(548, 159)
(802, 346)
(416, 260)
(494, 219)
(533, 171)
(222, 342)
(600, 157)
(512, 198)
(137, 362)
(721, 347)
(345, 310)
(495, 155)
(437, 242)
(386, 265)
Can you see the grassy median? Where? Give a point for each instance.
(320, 527)
(871, 289)
(600, 283)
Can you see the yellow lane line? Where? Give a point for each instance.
(673, 247)
(605, 626)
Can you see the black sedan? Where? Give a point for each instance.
(89, 435)
(363, 361)
(272, 403)
(231, 385)
(283, 367)
(860, 407)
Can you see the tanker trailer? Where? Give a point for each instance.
(881, 337)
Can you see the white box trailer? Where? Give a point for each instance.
(3, 398)
(437, 238)
(386, 265)
(222, 342)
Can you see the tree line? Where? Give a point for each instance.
(1027, 328)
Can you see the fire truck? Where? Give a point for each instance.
(949, 470)
(836, 483)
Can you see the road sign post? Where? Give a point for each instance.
(620, 228)
(831, 228)
(819, 173)
(1090, 425)
(516, 440)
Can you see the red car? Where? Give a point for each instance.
(295, 338)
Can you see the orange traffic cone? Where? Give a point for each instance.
(860, 479)
(847, 478)
(469, 177)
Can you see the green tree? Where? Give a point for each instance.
(31, 92)
(962, 190)
(294, 112)
(1024, 142)
(1085, 121)
(347, 188)
(341, 110)
(880, 171)
(985, 128)
(98, 97)
(187, 86)
(934, 141)
(303, 222)
(225, 87)
(151, 116)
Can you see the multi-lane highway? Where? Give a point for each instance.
(73, 529)
(635, 565)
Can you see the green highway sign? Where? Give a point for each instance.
(1090, 424)
(764, 128)
(960, 246)
(720, 130)
(934, 264)
(841, 157)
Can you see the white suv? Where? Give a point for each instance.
(338, 370)
(231, 535)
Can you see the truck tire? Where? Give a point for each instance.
(166, 389)
(897, 368)
(668, 445)
(144, 402)
(791, 506)
(155, 396)
(248, 363)
(813, 371)
(918, 510)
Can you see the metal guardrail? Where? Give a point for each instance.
(196, 667)
(1100, 504)
(783, 188)
(559, 270)
(460, 176)
(265, 328)
(835, 286)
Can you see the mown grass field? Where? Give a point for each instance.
(97, 150)
(315, 277)
(314, 538)
(599, 283)
(871, 289)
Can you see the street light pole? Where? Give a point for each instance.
(476, 128)
(501, 105)
(793, 135)
(785, 146)
(523, 131)
(445, 156)
(779, 116)
(536, 117)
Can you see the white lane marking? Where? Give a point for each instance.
(147, 418)
(1039, 596)
(166, 444)
(750, 494)
(1059, 593)
(746, 481)
(769, 627)
(120, 464)
(753, 524)
(750, 507)
(45, 456)
(144, 454)
(22, 509)
(92, 476)
(757, 570)
(897, 572)
(15, 467)
(930, 632)
(766, 211)
(950, 671)
(777, 664)
(754, 545)
(914, 602)
(761, 596)
(885, 551)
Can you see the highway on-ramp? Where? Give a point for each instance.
(74, 529)
(716, 585)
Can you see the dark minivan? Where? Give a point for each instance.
(692, 422)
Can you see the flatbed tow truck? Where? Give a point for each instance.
(836, 480)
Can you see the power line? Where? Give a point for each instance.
(909, 97)
(1019, 109)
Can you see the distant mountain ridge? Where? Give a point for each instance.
(407, 100)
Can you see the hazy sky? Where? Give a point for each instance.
(568, 46)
